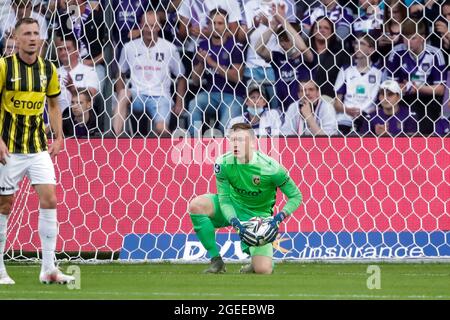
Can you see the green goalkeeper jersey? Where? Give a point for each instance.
(252, 187)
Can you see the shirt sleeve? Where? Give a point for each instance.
(123, 61)
(290, 126)
(327, 119)
(53, 87)
(202, 45)
(184, 9)
(92, 80)
(438, 70)
(234, 11)
(283, 181)
(175, 65)
(237, 55)
(340, 86)
(43, 29)
(2, 74)
(410, 125)
(393, 67)
(224, 190)
(275, 122)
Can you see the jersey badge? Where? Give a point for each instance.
(43, 79)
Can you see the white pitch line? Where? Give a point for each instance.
(243, 295)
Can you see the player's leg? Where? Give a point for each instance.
(121, 111)
(140, 115)
(10, 175)
(205, 214)
(159, 110)
(42, 175)
(6, 202)
(261, 261)
(197, 109)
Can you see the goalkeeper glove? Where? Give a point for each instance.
(271, 233)
(249, 238)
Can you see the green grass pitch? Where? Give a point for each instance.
(185, 281)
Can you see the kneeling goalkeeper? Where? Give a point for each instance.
(247, 182)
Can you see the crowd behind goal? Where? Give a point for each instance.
(289, 68)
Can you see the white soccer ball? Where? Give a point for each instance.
(259, 227)
(253, 224)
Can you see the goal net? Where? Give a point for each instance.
(351, 97)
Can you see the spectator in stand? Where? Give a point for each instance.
(370, 19)
(87, 25)
(9, 46)
(418, 9)
(22, 9)
(442, 29)
(357, 86)
(127, 15)
(341, 17)
(329, 55)
(419, 68)
(151, 61)
(392, 117)
(257, 15)
(265, 121)
(72, 73)
(194, 17)
(292, 64)
(218, 70)
(311, 115)
(194, 25)
(79, 120)
(395, 11)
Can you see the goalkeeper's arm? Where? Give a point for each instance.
(223, 189)
(290, 189)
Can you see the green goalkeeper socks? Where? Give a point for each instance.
(206, 233)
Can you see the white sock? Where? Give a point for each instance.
(48, 232)
(3, 227)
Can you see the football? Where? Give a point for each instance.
(259, 227)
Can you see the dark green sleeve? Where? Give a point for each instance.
(223, 190)
(289, 188)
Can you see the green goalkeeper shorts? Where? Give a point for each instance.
(219, 221)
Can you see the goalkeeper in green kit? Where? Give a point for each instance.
(247, 182)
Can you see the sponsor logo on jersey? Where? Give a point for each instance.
(247, 192)
(256, 180)
(425, 67)
(159, 56)
(217, 168)
(25, 104)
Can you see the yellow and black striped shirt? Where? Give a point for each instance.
(23, 90)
